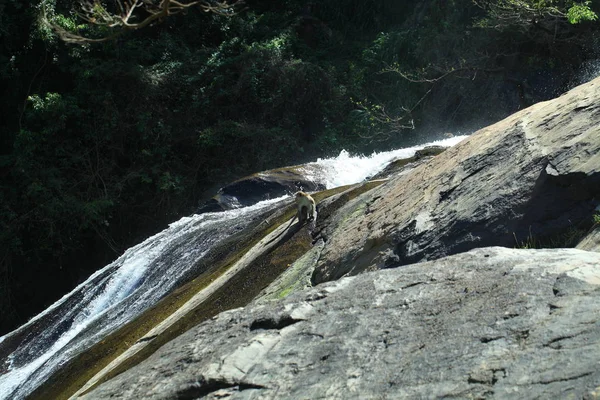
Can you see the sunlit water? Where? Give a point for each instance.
(115, 295)
(143, 275)
(347, 169)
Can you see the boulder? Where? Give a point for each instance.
(533, 175)
(490, 323)
(263, 186)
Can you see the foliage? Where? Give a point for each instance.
(581, 12)
(569, 238)
(96, 21)
(525, 13)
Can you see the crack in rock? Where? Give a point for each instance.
(147, 339)
(570, 378)
(274, 322)
(554, 343)
(205, 387)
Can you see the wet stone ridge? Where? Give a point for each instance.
(263, 186)
(490, 323)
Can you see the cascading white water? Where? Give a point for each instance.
(143, 275)
(114, 295)
(346, 169)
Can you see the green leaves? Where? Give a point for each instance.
(513, 13)
(581, 12)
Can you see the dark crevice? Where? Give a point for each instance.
(147, 339)
(478, 381)
(277, 322)
(582, 108)
(446, 193)
(205, 387)
(317, 335)
(413, 284)
(553, 343)
(553, 308)
(571, 378)
(498, 373)
(490, 339)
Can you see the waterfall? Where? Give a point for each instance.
(115, 295)
(143, 275)
(346, 169)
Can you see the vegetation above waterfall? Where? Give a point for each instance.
(105, 143)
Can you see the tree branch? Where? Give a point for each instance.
(127, 15)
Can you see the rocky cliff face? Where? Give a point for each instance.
(491, 322)
(534, 175)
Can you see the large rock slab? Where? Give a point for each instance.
(533, 175)
(490, 323)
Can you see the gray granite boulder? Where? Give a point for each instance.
(490, 323)
(532, 176)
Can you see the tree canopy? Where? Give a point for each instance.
(98, 21)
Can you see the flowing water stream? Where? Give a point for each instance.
(143, 275)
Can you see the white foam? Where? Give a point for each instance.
(134, 264)
(346, 169)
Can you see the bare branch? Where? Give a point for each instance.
(396, 70)
(474, 69)
(519, 14)
(125, 15)
(377, 114)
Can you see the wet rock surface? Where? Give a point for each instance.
(489, 323)
(262, 186)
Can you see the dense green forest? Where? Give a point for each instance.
(105, 143)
